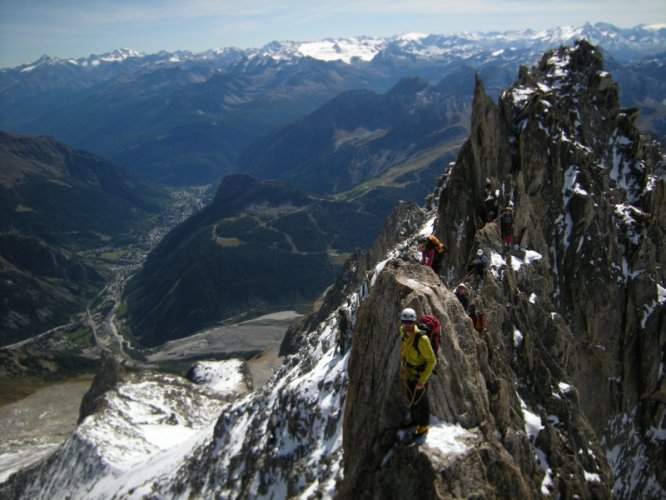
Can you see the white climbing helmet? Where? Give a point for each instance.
(479, 252)
(408, 314)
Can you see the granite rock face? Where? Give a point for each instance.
(475, 391)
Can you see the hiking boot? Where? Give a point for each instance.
(421, 430)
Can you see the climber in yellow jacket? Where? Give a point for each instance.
(417, 362)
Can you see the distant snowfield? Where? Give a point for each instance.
(342, 50)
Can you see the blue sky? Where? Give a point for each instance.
(78, 28)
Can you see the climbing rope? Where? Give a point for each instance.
(412, 399)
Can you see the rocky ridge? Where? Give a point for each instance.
(588, 191)
(126, 419)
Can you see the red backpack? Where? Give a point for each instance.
(480, 322)
(432, 327)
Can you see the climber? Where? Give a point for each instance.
(506, 226)
(478, 266)
(461, 294)
(432, 251)
(479, 318)
(491, 203)
(418, 360)
(344, 330)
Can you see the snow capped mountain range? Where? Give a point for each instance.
(77, 101)
(623, 43)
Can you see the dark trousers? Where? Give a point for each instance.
(419, 407)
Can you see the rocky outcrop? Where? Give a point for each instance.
(407, 217)
(109, 375)
(475, 390)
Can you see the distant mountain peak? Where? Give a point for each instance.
(115, 56)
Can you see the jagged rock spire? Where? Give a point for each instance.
(588, 197)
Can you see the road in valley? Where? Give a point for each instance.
(102, 319)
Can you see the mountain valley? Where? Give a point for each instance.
(59, 207)
(185, 119)
(258, 245)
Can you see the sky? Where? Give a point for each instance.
(79, 28)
